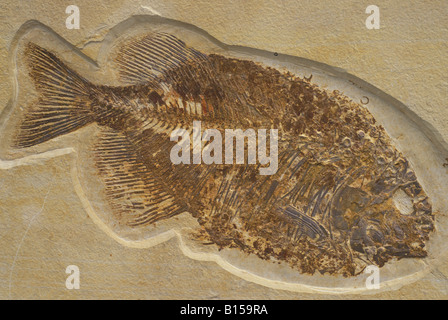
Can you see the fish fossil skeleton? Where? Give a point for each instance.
(330, 206)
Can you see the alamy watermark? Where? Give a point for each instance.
(207, 147)
(372, 281)
(72, 21)
(72, 281)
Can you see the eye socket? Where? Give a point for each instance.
(403, 202)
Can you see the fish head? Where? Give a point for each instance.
(395, 224)
(383, 213)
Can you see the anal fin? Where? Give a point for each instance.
(136, 195)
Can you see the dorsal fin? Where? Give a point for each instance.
(146, 58)
(137, 196)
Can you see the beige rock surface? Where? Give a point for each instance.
(44, 227)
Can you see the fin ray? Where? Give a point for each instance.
(63, 102)
(152, 56)
(136, 194)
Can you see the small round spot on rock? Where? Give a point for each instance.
(346, 142)
(365, 100)
(275, 54)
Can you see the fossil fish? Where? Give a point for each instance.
(329, 208)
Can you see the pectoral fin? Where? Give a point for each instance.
(304, 223)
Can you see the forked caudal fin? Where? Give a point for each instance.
(63, 99)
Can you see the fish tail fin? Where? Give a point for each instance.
(63, 103)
